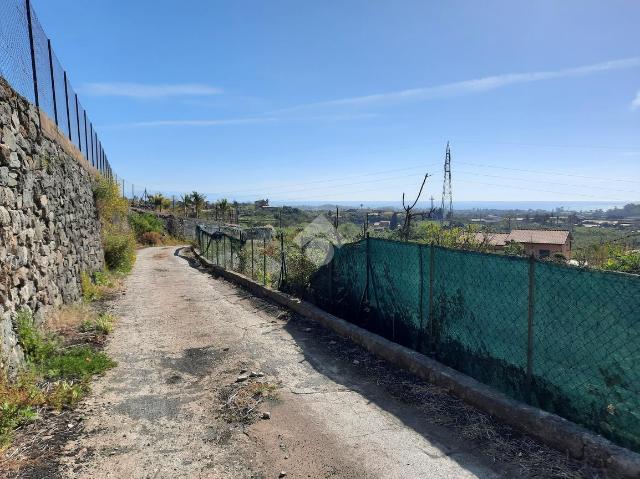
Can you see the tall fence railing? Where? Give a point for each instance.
(561, 338)
(30, 65)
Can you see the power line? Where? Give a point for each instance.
(549, 172)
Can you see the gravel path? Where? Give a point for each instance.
(173, 408)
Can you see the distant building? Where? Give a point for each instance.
(381, 225)
(261, 203)
(540, 243)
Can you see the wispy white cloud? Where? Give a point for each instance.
(635, 104)
(141, 90)
(239, 121)
(467, 87)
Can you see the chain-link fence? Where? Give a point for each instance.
(29, 64)
(561, 338)
(558, 337)
(253, 253)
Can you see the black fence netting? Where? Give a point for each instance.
(29, 64)
(561, 338)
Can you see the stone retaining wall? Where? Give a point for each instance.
(49, 229)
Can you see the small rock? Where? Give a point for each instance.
(242, 371)
(282, 315)
(225, 349)
(355, 361)
(332, 342)
(69, 425)
(307, 330)
(242, 377)
(266, 415)
(282, 474)
(257, 374)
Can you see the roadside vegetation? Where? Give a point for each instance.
(117, 238)
(64, 353)
(60, 362)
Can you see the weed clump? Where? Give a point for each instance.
(103, 324)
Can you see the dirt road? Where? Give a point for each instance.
(186, 346)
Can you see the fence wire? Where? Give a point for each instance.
(31, 67)
(561, 338)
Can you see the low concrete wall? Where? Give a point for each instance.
(49, 229)
(549, 428)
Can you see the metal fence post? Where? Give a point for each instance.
(53, 83)
(530, 318)
(224, 251)
(86, 138)
(365, 292)
(331, 266)
(66, 102)
(231, 251)
(93, 153)
(252, 258)
(78, 123)
(33, 55)
(217, 252)
(432, 329)
(420, 298)
(264, 261)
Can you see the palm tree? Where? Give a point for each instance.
(223, 204)
(198, 200)
(186, 201)
(158, 201)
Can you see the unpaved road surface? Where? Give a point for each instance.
(182, 342)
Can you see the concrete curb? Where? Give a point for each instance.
(549, 428)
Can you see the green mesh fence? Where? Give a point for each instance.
(561, 338)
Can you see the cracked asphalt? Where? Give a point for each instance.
(184, 336)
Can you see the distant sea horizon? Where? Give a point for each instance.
(550, 205)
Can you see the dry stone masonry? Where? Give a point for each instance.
(49, 229)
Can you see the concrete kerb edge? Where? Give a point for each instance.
(549, 428)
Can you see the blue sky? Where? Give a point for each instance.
(354, 100)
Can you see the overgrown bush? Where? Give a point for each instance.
(142, 223)
(119, 251)
(118, 241)
(112, 207)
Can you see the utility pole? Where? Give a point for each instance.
(447, 194)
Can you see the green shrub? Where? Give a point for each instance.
(35, 344)
(119, 251)
(142, 223)
(112, 207)
(90, 290)
(13, 415)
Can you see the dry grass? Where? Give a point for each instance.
(241, 400)
(69, 317)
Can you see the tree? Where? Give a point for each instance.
(223, 205)
(198, 200)
(186, 202)
(406, 228)
(158, 201)
(512, 248)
